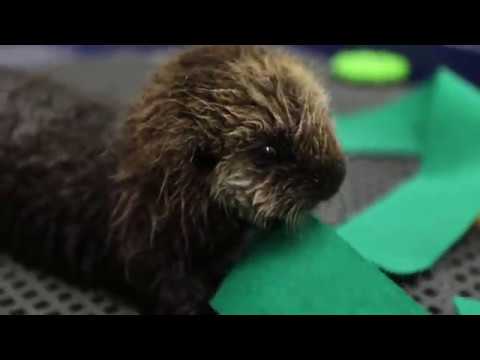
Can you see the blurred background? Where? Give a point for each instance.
(425, 58)
(119, 71)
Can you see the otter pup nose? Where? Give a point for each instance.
(329, 177)
(339, 170)
(336, 172)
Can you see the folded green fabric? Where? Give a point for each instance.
(467, 306)
(393, 129)
(408, 230)
(309, 272)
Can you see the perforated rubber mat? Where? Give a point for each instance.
(457, 274)
(26, 292)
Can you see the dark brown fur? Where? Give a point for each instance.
(225, 138)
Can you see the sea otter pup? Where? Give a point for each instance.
(157, 207)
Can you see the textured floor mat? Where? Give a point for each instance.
(26, 292)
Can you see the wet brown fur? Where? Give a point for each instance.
(161, 205)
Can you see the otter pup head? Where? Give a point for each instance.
(247, 127)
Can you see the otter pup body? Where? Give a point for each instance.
(223, 139)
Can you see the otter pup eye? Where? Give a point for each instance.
(273, 154)
(270, 152)
(265, 155)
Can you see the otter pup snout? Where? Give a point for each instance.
(330, 178)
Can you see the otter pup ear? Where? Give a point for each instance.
(203, 159)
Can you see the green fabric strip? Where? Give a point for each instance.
(309, 272)
(467, 307)
(408, 230)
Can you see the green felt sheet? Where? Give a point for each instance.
(309, 272)
(391, 129)
(469, 307)
(408, 230)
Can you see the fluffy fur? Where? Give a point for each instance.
(223, 139)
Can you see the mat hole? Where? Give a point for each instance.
(41, 276)
(430, 292)
(41, 305)
(30, 294)
(98, 299)
(64, 296)
(18, 312)
(470, 256)
(474, 270)
(19, 284)
(9, 275)
(53, 313)
(434, 310)
(76, 307)
(7, 302)
(456, 262)
(52, 286)
(461, 278)
(111, 309)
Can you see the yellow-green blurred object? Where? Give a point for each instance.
(370, 67)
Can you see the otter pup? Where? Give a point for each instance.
(224, 139)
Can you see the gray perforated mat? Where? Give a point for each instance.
(458, 273)
(23, 292)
